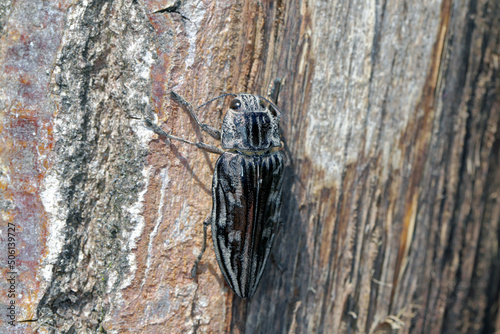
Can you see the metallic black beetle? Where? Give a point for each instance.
(246, 188)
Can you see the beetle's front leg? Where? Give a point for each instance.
(159, 131)
(213, 132)
(203, 247)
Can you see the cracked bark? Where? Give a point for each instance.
(391, 217)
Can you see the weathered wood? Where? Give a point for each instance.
(391, 217)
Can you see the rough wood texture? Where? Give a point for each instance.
(391, 218)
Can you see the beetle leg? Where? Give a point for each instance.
(209, 148)
(213, 132)
(203, 247)
(159, 131)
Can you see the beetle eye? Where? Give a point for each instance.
(235, 104)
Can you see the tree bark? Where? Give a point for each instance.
(391, 213)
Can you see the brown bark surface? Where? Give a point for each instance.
(391, 213)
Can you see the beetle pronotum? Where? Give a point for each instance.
(246, 188)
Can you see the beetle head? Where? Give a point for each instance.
(250, 125)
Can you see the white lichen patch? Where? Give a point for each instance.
(137, 219)
(197, 13)
(52, 199)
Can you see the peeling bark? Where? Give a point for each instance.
(391, 213)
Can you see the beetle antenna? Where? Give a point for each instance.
(218, 97)
(274, 106)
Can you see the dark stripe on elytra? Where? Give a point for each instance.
(256, 216)
(251, 195)
(267, 191)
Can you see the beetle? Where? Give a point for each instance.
(246, 187)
